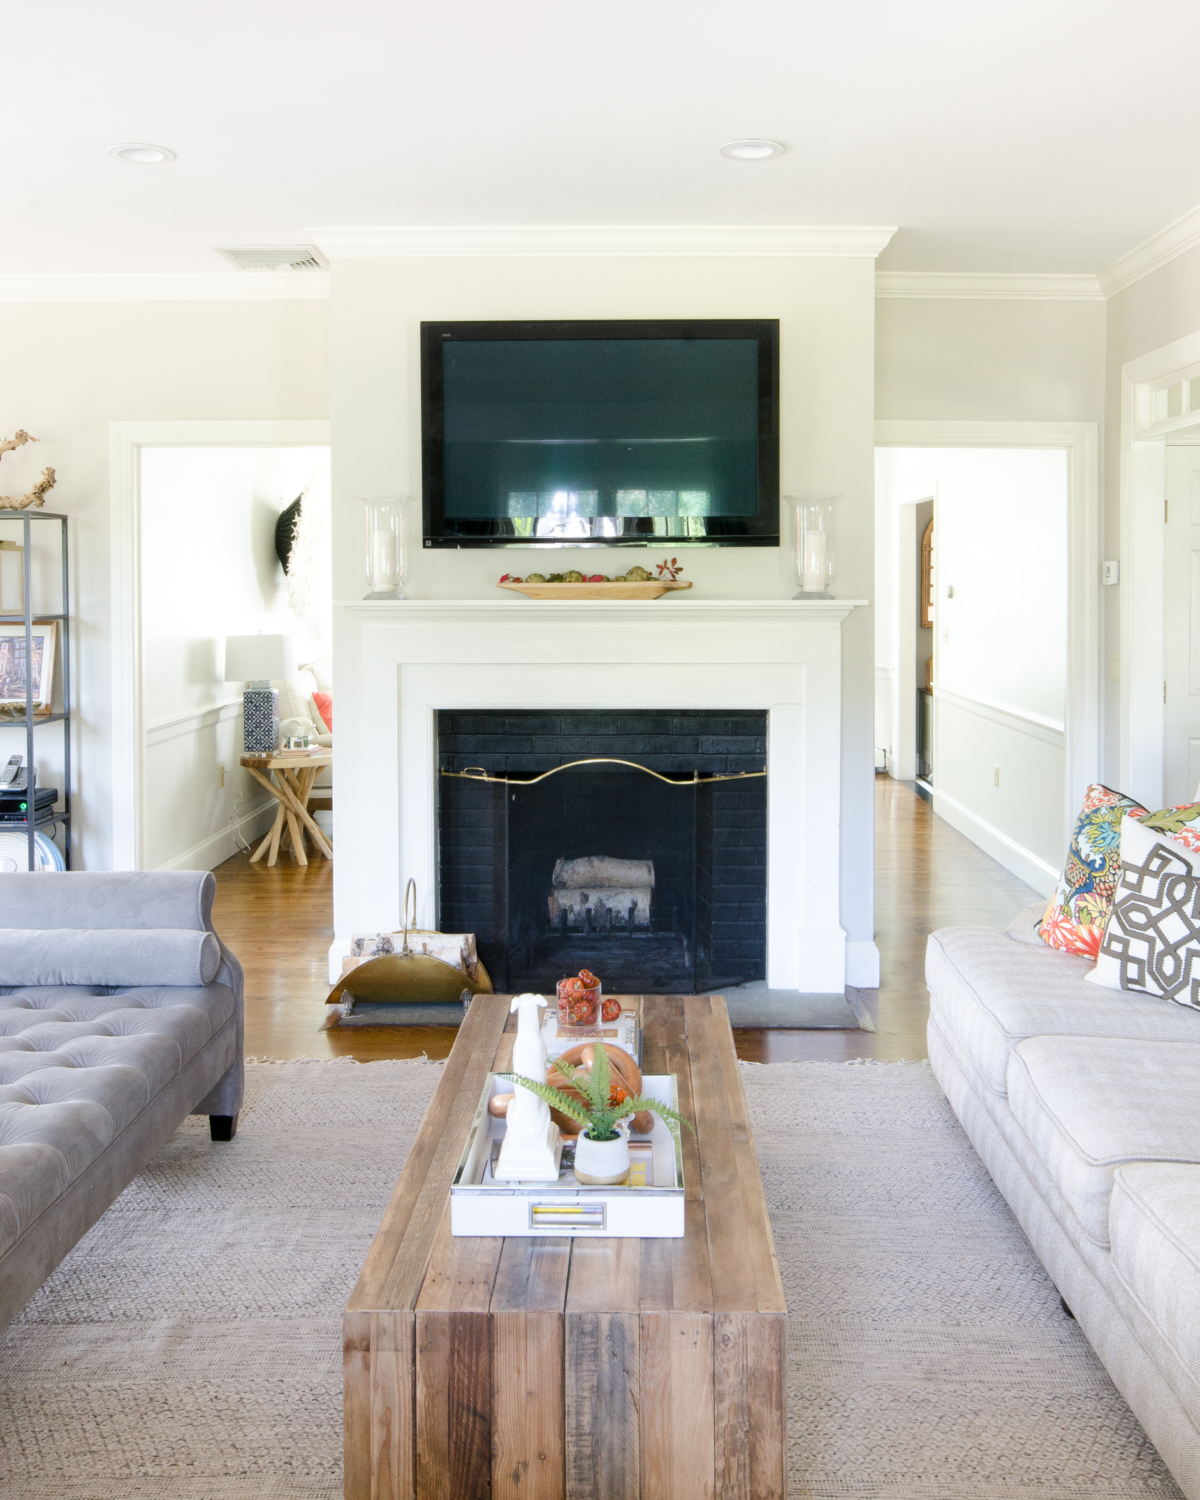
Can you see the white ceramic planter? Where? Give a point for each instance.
(601, 1163)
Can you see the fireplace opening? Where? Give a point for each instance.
(652, 874)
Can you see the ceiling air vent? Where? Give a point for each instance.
(274, 257)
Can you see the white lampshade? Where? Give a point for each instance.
(259, 658)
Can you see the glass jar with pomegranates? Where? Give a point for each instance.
(579, 1000)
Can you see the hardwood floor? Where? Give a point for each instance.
(279, 923)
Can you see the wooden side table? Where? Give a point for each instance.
(289, 778)
(591, 1369)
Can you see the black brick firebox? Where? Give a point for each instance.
(500, 843)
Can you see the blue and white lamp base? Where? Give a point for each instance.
(260, 720)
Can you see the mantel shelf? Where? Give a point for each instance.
(671, 609)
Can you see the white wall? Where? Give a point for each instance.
(1000, 643)
(71, 368)
(208, 570)
(977, 359)
(826, 308)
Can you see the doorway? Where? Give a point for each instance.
(1007, 735)
(192, 561)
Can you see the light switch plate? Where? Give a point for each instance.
(1112, 572)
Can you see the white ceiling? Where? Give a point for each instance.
(1016, 136)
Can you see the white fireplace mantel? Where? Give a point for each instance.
(398, 662)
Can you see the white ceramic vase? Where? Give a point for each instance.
(601, 1163)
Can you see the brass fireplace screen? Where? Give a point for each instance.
(477, 773)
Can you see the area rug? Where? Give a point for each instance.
(189, 1348)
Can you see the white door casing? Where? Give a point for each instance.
(126, 440)
(1181, 622)
(1080, 440)
(1143, 539)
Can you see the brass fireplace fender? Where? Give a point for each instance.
(477, 773)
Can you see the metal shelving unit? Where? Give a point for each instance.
(32, 720)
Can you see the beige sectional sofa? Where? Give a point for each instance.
(1084, 1104)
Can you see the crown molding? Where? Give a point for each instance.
(1158, 250)
(602, 239)
(204, 286)
(990, 286)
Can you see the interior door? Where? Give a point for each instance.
(1181, 621)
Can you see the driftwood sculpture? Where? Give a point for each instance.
(37, 495)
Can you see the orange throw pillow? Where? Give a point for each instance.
(324, 702)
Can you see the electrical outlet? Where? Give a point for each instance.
(996, 775)
(220, 775)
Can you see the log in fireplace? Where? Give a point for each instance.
(629, 843)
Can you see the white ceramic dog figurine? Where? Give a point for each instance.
(532, 1145)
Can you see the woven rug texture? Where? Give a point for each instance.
(189, 1348)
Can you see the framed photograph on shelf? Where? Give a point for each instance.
(13, 665)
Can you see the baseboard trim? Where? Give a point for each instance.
(862, 966)
(222, 845)
(1015, 858)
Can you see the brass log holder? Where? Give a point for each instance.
(477, 773)
(409, 976)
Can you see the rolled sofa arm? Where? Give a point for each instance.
(117, 956)
(155, 899)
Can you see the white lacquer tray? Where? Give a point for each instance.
(481, 1206)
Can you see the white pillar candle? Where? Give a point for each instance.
(383, 559)
(816, 554)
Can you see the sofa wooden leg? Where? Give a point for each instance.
(222, 1127)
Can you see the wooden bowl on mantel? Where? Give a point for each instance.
(648, 590)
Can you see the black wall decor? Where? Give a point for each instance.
(285, 532)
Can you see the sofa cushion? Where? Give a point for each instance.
(1154, 1227)
(78, 1065)
(108, 956)
(1089, 1104)
(991, 993)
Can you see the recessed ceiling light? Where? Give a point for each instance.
(139, 154)
(752, 150)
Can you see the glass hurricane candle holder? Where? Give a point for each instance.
(389, 543)
(812, 544)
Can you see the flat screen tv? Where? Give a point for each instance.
(600, 433)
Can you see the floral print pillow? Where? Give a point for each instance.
(1180, 824)
(1082, 902)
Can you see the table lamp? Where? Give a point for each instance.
(258, 660)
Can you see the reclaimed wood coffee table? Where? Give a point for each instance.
(592, 1369)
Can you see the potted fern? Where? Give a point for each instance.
(599, 1101)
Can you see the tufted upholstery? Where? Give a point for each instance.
(93, 1077)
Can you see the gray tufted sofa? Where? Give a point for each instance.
(94, 1077)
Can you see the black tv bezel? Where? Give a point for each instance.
(761, 530)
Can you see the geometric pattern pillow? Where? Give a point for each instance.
(1152, 943)
(1078, 911)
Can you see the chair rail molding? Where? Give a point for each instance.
(126, 440)
(1142, 492)
(1082, 442)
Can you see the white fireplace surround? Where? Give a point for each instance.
(398, 663)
